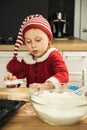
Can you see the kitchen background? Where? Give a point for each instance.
(12, 14)
(73, 17)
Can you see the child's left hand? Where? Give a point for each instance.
(41, 86)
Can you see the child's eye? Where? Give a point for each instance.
(27, 42)
(38, 40)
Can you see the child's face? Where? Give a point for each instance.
(36, 41)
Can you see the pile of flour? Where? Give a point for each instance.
(55, 99)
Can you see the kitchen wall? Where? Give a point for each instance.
(12, 13)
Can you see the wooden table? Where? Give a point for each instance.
(26, 119)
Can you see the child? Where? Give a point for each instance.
(43, 66)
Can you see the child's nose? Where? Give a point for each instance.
(33, 44)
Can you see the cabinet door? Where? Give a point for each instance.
(80, 19)
(83, 30)
(5, 57)
(76, 63)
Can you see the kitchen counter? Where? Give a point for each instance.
(27, 119)
(61, 44)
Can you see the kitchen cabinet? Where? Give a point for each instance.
(83, 28)
(4, 58)
(76, 62)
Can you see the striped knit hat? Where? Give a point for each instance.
(32, 21)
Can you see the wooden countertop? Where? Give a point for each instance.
(26, 118)
(70, 45)
(62, 45)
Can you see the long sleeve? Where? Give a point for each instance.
(16, 68)
(58, 68)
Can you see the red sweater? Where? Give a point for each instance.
(48, 67)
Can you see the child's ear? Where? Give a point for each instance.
(50, 44)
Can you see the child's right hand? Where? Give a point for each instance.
(10, 77)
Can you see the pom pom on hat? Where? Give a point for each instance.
(32, 21)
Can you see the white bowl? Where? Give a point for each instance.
(59, 108)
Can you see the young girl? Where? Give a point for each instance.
(43, 66)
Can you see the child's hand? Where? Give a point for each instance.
(34, 87)
(10, 77)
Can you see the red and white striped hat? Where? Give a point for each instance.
(32, 21)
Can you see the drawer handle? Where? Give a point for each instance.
(84, 30)
(80, 56)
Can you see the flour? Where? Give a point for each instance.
(59, 100)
